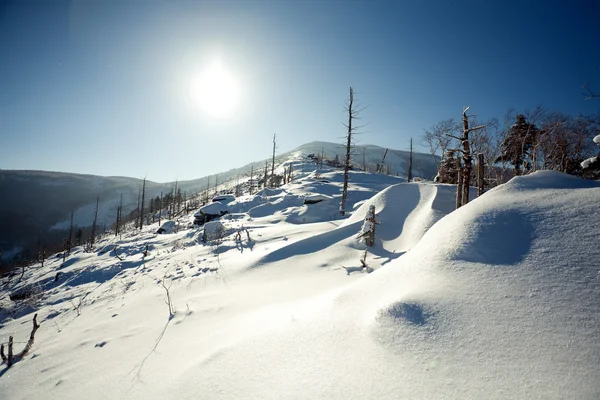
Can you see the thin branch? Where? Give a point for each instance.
(590, 94)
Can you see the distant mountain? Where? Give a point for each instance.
(38, 204)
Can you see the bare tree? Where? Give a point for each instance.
(467, 158)
(266, 174)
(588, 92)
(141, 224)
(459, 183)
(438, 138)
(93, 234)
(119, 214)
(70, 241)
(11, 359)
(380, 166)
(410, 163)
(273, 162)
(353, 112)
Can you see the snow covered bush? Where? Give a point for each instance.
(591, 166)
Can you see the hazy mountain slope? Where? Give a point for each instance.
(38, 203)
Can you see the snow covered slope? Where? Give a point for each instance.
(499, 299)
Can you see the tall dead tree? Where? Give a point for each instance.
(142, 204)
(273, 162)
(409, 175)
(380, 166)
(364, 163)
(266, 174)
(160, 207)
(459, 183)
(70, 241)
(465, 172)
(119, 214)
(251, 182)
(353, 112)
(93, 234)
(467, 158)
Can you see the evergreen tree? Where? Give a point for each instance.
(448, 172)
(516, 147)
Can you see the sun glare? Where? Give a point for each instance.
(215, 91)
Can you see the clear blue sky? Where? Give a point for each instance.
(103, 87)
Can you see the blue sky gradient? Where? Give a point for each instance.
(102, 87)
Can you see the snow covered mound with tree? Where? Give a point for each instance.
(499, 299)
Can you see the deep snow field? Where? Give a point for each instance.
(497, 300)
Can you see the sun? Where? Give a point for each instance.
(215, 91)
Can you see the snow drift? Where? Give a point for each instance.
(499, 299)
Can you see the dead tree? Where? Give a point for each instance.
(160, 207)
(10, 359)
(589, 94)
(410, 163)
(353, 112)
(119, 218)
(70, 241)
(266, 174)
(273, 162)
(380, 166)
(466, 156)
(251, 182)
(93, 234)
(480, 172)
(368, 229)
(459, 183)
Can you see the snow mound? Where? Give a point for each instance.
(216, 208)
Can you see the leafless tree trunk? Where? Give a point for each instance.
(70, 241)
(467, 158)
(93, 234)
(160, 206)
(273, 162)
(410, 163)
(266, 174)
(364, 163)
(351, 130)
(459, 184)
(142, 203)
(380, 169)
(251, 183)
(10, 359)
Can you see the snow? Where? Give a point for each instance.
(586, 163)
(215, 208)
(224, 199)
(597, 140)
(499, 299)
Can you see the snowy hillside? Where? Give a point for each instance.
(62, 193)
(497, 300)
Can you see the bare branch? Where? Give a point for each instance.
(31, 338)
(590, 95)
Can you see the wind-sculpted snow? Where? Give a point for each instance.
(497, 300)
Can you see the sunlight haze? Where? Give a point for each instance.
(182, 89)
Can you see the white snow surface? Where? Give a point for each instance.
(499, 299)
(214, 208)
(597, 139)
